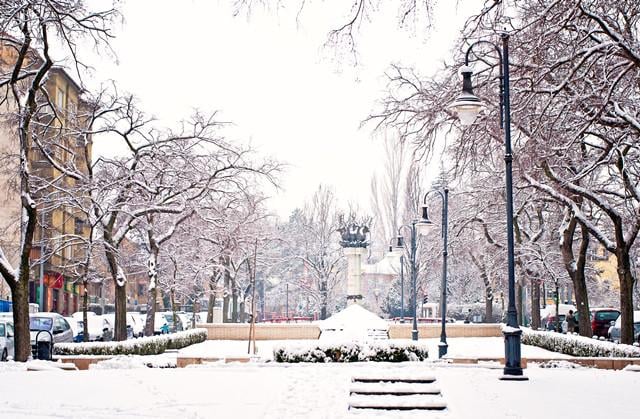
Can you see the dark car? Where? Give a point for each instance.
(550, 322)
(601, 319)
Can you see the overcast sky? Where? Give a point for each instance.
(269, 74)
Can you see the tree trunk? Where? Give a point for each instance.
(535, 304)
(242, 311)
(212, 303)
(85, 308)
(120, 284)
(519, 303)
(323, 299)
(575, 269)
(488, 305)
(152, 305)
(227, 289)
(234, 301)
(152, 273)
(120, 328)
(22, 337)
(626, 295)
(172, 295)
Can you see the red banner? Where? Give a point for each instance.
(54, 280)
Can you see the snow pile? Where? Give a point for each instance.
(352, 352)
(577, 345)
(353, 323)
(34, 365)
(151, 345)
(559, 364)
(134, 361)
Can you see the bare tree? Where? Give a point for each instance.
(28, 31)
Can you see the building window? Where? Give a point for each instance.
(79, 226)
(60, 99)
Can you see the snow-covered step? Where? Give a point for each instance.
(389, 402)
(394, 378)
(393, 388)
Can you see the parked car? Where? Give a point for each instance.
(6, 340)
(44, 327)
(98, 326)
(614, 330)
(601, 319)
(137, 321)
(163, 323)
(185, 319)
(202, 317)
(77, 326)
(549, 322)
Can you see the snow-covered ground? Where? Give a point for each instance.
(308, 391)
(458, 347)
(271, 390)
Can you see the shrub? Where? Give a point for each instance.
(577, 345)
(151, 345)
(352, 352)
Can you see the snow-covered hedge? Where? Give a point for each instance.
(352, 352)
(151, 345)
(577, 345)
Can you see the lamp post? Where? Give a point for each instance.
(391, 252)
(468, 105)
(416, 226)
(444, 194)
(402, 288)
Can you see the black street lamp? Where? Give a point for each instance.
(467, 106)
(416, 227)
(444, 194)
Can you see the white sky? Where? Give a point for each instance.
(270, 76)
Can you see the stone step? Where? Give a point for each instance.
(391, 378)
(395, 388)
(392, 402)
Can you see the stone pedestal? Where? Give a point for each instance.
(354, 273)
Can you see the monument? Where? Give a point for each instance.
(354, 242)
(354, 323)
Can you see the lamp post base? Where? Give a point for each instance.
(512, 367)
(442, 349)
(414, 335)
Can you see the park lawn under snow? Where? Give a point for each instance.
(309, 391)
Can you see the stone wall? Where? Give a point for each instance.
(454, 330)
(264, 331)
(283, 331)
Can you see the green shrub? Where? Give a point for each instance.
(352, 352)
(577, 345)
(151, 345)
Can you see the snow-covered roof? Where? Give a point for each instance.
(354, 317)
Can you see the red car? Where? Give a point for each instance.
(601, 319)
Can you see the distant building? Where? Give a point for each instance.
(61, 228)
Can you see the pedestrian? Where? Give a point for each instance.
(571, 322)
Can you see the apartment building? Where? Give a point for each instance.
(58, 243)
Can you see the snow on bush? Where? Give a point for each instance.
(352, 352)
(577, 345)
(151, 345)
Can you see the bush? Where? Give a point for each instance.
(577, 345)
(151, 345)
(352, 352)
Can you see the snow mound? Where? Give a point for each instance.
(125, 362)
(353, 323)
(560, 364)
